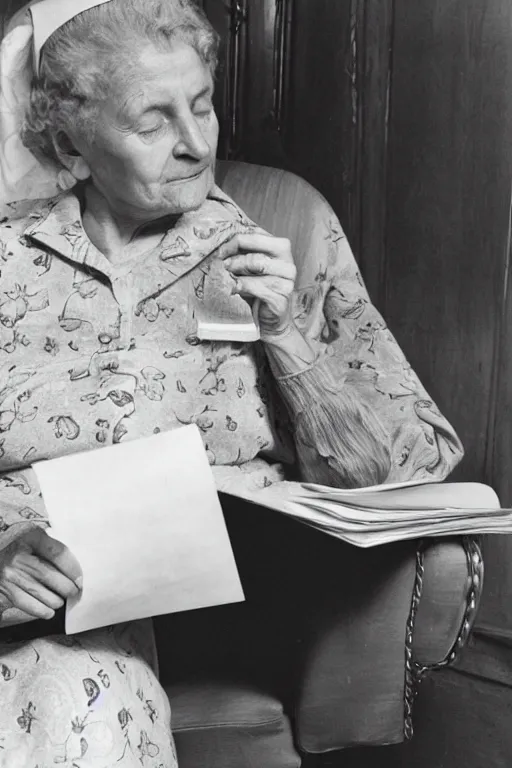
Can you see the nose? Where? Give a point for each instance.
(191, 142)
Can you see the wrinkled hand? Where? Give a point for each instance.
(262, 267)
(37, 574)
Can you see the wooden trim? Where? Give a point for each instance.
(375, 33)
(282, 57)
(496, 430)
(236, 76)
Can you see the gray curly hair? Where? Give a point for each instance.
(82, 58)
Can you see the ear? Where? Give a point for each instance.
(70, 158)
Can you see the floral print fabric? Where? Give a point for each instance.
(92, 354)
(87, 701)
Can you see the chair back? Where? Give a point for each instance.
(280, 202)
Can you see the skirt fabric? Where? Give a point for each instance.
(88, 701)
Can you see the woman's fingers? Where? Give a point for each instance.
(260, 264)
(263, 268)
(56, 553)
(275, 247)
(19, 579)
(48, 575)
(274, 292)
(37, 574)
(27, 603)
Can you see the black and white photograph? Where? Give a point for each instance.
(255, 383)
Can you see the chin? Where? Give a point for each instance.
(190, 195)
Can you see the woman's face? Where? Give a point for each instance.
(154, 147)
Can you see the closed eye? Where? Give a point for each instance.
(154, 131)
(203, 105)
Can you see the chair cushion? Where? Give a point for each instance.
(230, 725)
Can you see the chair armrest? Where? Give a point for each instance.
(412, 614)
(352, 681)
(326, 626)
(336, 618)
(450, 581)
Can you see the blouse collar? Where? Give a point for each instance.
(58, 226)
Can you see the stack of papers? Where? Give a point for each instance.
(367, 517)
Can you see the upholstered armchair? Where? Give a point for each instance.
(328, 649)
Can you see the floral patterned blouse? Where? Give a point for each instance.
(92, 354)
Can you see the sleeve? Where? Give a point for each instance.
(360, 415)
(21, 508)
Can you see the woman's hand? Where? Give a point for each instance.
(262, 267)
(37, 574)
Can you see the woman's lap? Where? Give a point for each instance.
(88, 701)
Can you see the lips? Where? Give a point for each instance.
(188, 178)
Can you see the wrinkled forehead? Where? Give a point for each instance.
(160, 78)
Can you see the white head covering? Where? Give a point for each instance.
(23, 176)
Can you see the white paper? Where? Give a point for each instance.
(413, 495)
(144, 520)
(368, 517)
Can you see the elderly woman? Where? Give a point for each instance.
(97, 345)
